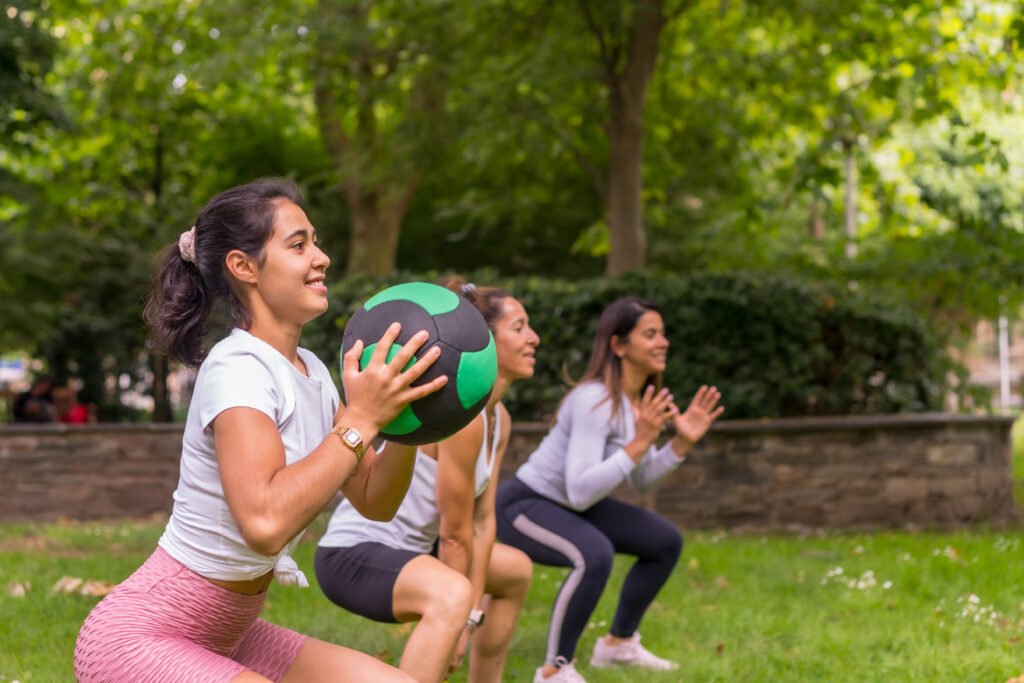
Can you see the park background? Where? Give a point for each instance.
(824, 197)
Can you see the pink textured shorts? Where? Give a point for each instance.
(167, 623)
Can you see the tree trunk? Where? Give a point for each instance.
(628, 249)
(161, 397)
(376, 207)
(158, 362)
(816, 219)
(627, 88)
(850, 163)
(375, 228)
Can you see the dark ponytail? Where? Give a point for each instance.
(185, 291)
(488, 300)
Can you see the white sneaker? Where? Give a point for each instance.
(566, 673)
(628, 653)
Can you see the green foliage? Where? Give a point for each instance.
(774, 347)
(493, 116)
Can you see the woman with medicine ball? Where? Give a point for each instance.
(267, 444)
(557, 508)
(436, 561)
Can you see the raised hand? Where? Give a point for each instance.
(380, 391)
(652, 413)
(693, 424)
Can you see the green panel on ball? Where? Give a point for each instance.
(406, 421)
(476, 374)
(392, 352)
(434, 299)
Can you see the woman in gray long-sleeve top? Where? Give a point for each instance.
(557, 509)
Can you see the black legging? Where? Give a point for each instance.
(587, 541)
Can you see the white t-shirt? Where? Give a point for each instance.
(241, 371)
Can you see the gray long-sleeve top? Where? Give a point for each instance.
(582, 459)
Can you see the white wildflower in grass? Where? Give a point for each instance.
(971, 610)
(832, 573)
(866, 581)
(907, 557)
(858, 550)
(718, 536)
(950, 553)
(1004, 544)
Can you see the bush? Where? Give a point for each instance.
(775, 347)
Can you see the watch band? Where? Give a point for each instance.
(353, 439)
(476, 620)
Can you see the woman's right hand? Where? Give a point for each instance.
(651, 415)
(381, 390)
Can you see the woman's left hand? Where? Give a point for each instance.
(693, 424)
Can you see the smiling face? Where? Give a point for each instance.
(290, 280)
(645, 348)
(515, 341)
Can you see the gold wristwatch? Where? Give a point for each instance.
(353, 439)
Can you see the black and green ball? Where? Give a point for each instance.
(468, 356)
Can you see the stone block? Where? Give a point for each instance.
(953, 488)
(952, 454)
(904, 490)
(789, 475)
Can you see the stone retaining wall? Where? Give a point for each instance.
(932, 470)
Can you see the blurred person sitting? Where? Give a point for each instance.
(36, 404)
(69, 410)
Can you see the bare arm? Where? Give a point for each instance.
(456, 467)
(378, 486)
(272, 502)
(484, 524)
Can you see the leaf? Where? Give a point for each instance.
(18, 589)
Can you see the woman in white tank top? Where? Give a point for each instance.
(388, 571)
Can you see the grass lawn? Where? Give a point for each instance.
(893, 606)
(829, 607)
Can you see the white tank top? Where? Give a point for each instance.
(417, 523)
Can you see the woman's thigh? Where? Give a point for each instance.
(362, 579)
(320, 661)
(551, 534)
(632, 530)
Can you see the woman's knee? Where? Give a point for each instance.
(597, 560)
(450, 599)
(427, 589)
(516, 570)
(670, 544)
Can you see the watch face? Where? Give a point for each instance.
(352, 438)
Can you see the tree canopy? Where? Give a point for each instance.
(865, 145)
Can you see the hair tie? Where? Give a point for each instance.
(467, 289)
(187, 245)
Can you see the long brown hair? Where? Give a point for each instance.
(185, 291)
(618, 319)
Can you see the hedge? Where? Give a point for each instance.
(775, 347)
